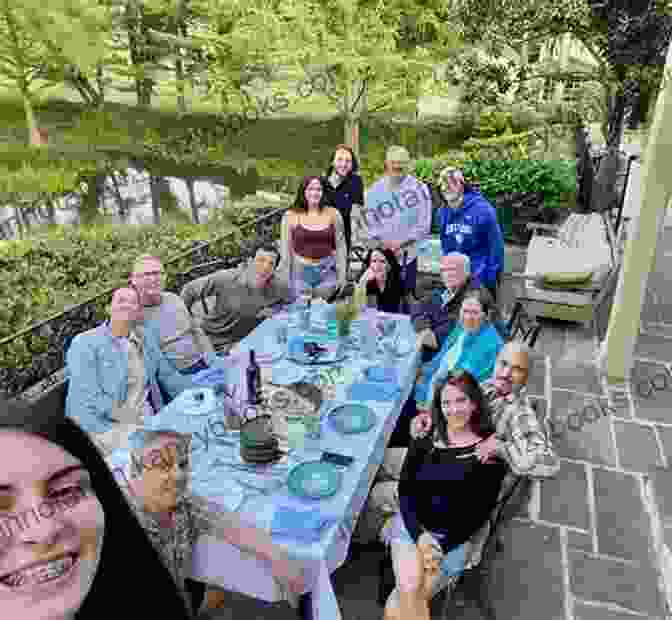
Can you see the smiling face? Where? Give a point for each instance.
(165, 474)
(396, 168)
(471, 314)
(453, 272)
(147, 277)
(51, 529)
(264, 264)
(313, 192)
(457, 408)
(342, 162)
(512, 371)
(125, 305)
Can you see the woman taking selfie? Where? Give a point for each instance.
(312, 244)
(382, 281)
(446, 493)
(343, 187)
(70, 546)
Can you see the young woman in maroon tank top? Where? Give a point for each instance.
(312, 244)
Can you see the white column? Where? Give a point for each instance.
(624, 323)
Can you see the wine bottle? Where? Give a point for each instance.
(404, 270)
(253, 381)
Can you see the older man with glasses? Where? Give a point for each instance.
(469, 225)
(182, 340)
(397, 214)
(520, 438)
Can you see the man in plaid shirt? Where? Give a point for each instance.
(520, 438)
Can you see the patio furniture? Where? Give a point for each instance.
(568, 277)
(481, 548)
(220, 563)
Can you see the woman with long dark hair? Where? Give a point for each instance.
(70, 545)
(343, 186)
(382, 280)
(446, 494)
(312, 244)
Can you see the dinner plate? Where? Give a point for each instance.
(287, 375)
(195, 402)
(332, 356)
(352, 418)
(314, 480)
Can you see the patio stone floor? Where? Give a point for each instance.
(584, 548)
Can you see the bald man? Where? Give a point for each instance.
(519, 438)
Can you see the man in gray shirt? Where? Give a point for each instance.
(182, 339)
(243, 297)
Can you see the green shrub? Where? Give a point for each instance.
(555, 180)
(67, 265)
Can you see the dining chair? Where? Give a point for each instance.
(481, 549)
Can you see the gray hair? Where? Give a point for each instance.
(140, 441)
(515, 346)
(465, 259)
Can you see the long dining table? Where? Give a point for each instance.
(216, 467)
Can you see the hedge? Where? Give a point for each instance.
(555, 180)
(60, 268)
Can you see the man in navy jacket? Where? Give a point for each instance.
(469, 225)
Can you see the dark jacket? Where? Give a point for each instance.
(474, 231)
(349, 192)
(441, 319)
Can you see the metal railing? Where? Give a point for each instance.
(47, 340)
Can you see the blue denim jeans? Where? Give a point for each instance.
(452, 563)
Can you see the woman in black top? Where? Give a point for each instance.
(343, 187)
(61, 506)
(447, 491)
(382, 279)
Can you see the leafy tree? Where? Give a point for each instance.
(377, 54)
(611, 31)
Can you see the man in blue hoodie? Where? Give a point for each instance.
(469, 225)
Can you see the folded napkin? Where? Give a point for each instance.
(373, 390)
(303, 525)
(295, 345)
(381, 374)
(212, 376)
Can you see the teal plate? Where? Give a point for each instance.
(352, 418)
(314, 480)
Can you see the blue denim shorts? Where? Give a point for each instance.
(452, 563)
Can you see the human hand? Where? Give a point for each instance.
(431, 552)
(265, 313)
(421, 424)
(290, 573)
(487, 450)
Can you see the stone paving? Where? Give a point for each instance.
(591, 543)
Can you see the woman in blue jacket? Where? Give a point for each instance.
(343, 187)
(114, 372)
(469, 225)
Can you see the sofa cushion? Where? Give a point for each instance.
(567, 278)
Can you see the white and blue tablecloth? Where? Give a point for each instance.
(218, 562)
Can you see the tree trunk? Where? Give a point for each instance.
(155, 188)
(192, 200)
(88, 211)
(51, 209)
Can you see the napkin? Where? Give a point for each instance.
(382, 374)
(373, 390)
(303, 525)
(296, 346)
